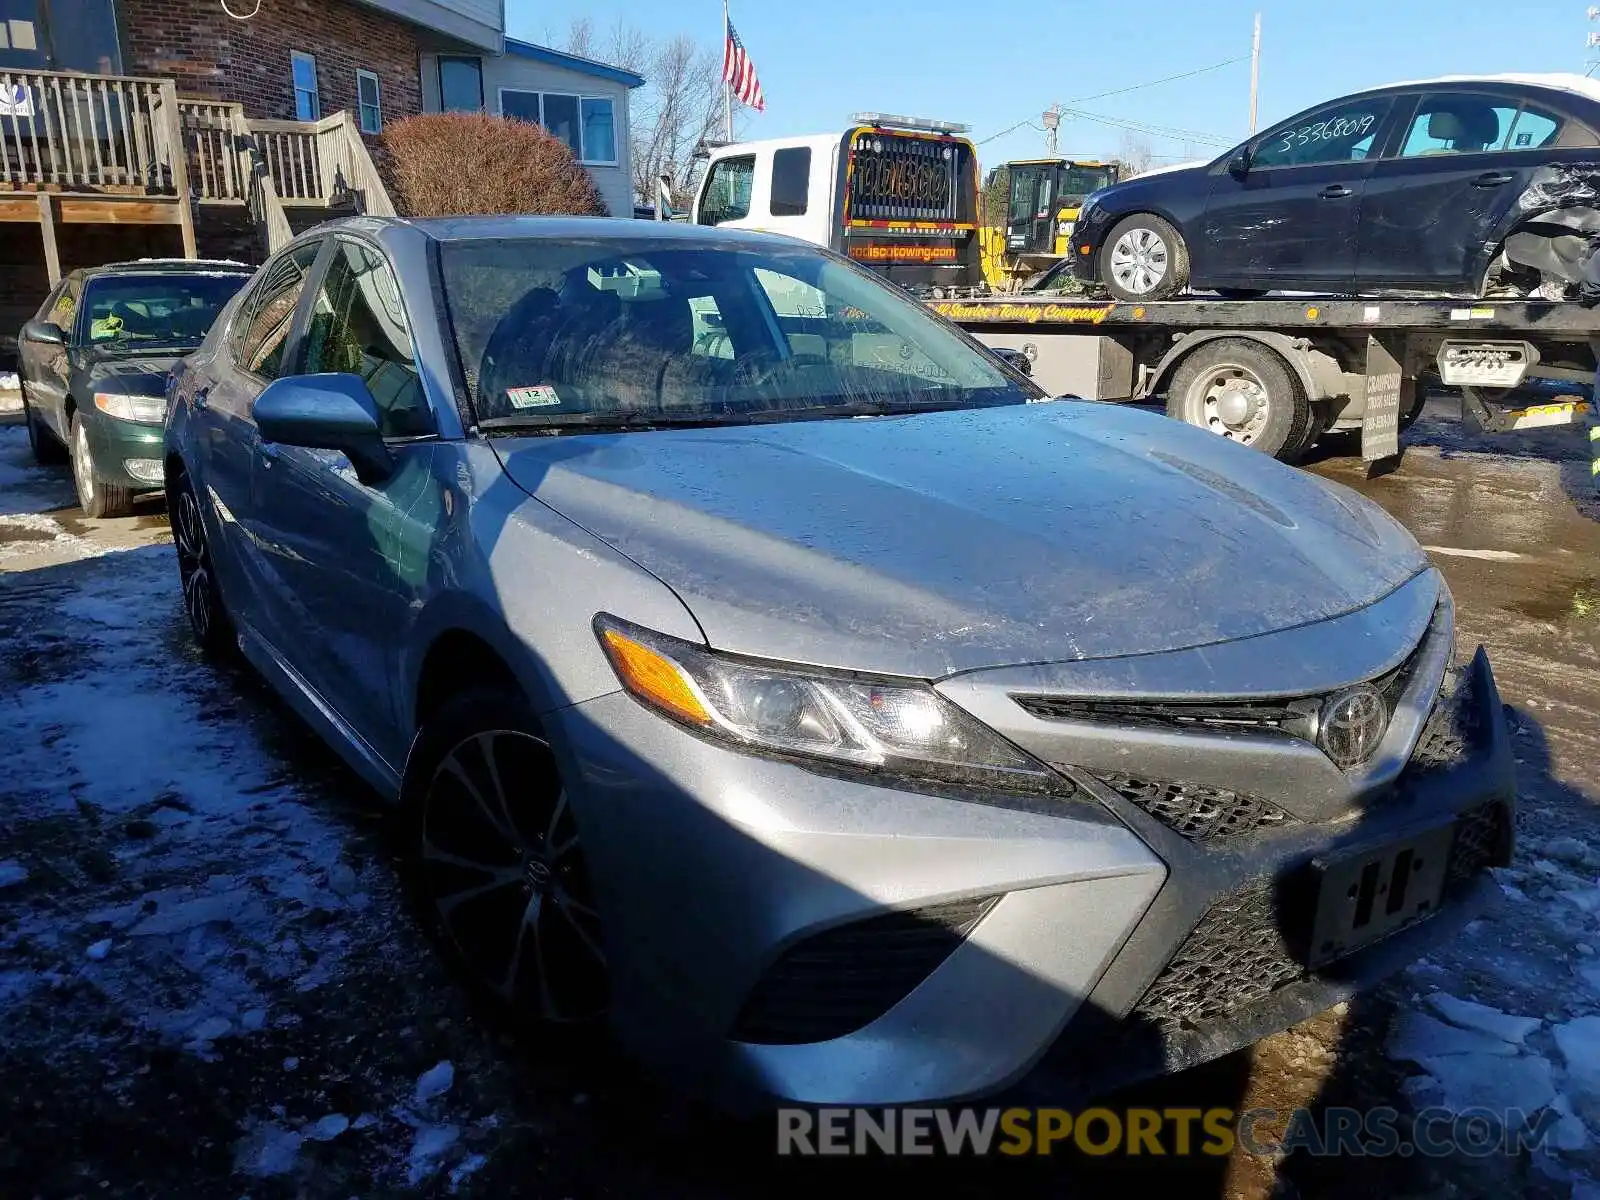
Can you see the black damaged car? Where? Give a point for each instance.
(94, 364)
(1471, 185)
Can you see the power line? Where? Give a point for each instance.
(1121, 91)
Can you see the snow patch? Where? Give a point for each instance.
(1469, 1014)
(12, 873)
(435, 1081)
(1417, 1037)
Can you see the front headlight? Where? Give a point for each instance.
(897, 727)
(149, 409)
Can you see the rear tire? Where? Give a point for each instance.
(1144, 258)
(96, 497)
(495, 867)
(1245, 392)
(47, 450)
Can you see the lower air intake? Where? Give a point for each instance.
(842, 979)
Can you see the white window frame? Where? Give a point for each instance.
(362, 106)
(583, 156)
(296, 57)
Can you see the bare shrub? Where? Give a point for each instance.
(461, 164)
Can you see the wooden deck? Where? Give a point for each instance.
(123, 150)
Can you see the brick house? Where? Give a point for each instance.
(219, 127)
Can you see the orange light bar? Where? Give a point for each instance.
(654, 678)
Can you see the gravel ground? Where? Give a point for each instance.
(209, 985)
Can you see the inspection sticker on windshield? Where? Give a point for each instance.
(542, 396)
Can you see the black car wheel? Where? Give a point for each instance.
(1243, 391)
(47, 451)
(202, 600)
(97, 498)
(1144, 258)
(497, 868)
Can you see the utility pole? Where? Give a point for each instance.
(1255, 71)
(1052, 123)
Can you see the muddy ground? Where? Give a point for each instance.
(209, 985)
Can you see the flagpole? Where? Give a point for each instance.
(727, 88)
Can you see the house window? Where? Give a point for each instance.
(585, 123)
(460, 84)
(307, 101)
(367, 97)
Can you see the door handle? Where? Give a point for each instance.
(201, 397)
(1491, 179)
(1335, 191)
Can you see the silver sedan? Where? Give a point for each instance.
(764, 669)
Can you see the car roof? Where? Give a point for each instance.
(462, 229)
(167, 266)
(1559, 81)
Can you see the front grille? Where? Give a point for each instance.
(1292, 716)
(1254, 716)
(842, 979)
(1240, 952)
(1198, 813)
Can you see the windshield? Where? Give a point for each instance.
(555, 331)
(164, 309)
(1084, 181)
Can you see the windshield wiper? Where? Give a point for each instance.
(592, 421)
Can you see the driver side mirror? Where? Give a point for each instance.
(333, 411)
(1239, 164)
(45, 333)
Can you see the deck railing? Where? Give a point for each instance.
(62, 131)
(116, 134)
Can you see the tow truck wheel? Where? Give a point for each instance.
(1144, 258)
(1245, 392)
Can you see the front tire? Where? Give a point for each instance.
(1144, 258)
(47, 451)
(96, 497)
(1243, 391)
(495, 866)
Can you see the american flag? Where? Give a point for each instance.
(739, 73)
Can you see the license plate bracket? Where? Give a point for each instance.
(1364, 895)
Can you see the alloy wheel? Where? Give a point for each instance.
(503, 870)
(1139, 261)
(194, 567)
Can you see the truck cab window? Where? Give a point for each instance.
(727, 194)
(791, 181)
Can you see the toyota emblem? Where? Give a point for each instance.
(1353, 723)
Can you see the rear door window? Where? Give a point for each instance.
(266, 315)
(791, 181)
(1457, 123)
(1534, 129)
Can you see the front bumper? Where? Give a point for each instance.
(747, 900)
(115, 443)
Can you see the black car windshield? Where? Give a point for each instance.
(155, 309)
(648, 329)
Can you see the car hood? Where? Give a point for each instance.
(136, 374)
(945, 542)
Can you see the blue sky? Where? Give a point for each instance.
(982, 62)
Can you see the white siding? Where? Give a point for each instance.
(479, 23)
(529, 75)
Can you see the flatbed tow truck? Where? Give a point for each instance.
(1279, 373)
